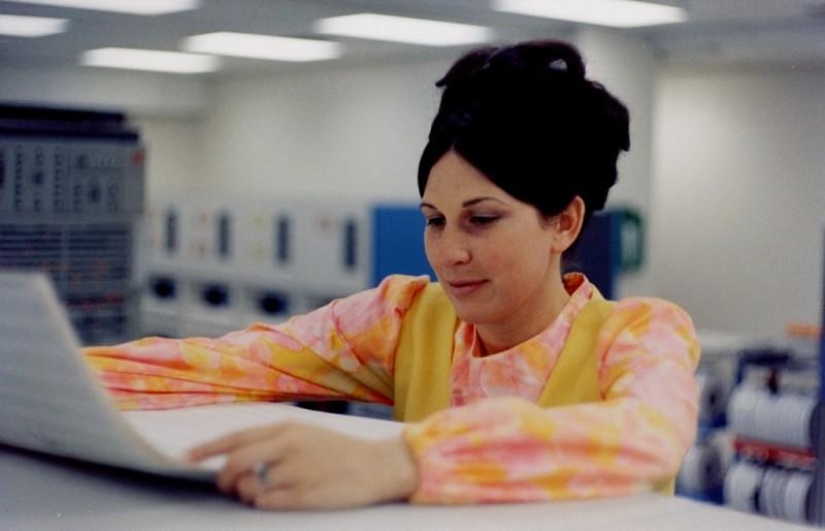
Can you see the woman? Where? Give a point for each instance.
(519, 383)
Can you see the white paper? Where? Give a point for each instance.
(51, 402)
(174, 432)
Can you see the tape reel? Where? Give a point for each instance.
(775, 492)
(786, 419)
(713, 397)
(703, 470)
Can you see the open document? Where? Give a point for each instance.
(51, 402)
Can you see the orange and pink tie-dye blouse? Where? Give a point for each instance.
(494, 443)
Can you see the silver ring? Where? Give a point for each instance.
(261, 469)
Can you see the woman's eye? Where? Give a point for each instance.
(435, 221)
(483, 220)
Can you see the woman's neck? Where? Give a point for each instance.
(525, 324)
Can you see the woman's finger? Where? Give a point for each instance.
(245, 459)
(251, 486)
(227, 443)
(247, 488)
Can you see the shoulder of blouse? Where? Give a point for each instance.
(652, 308)
(387, 302)
(652, 324)
(399, 291)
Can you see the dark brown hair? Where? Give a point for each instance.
(526, 117)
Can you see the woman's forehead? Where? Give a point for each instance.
(453, 176)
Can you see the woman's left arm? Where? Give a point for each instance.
(344, 350)
(508, 449)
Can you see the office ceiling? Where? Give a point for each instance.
(719, 31)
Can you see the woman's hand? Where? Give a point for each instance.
(298, 466)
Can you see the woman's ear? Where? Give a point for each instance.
(569, 225)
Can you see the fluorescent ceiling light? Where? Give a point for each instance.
(615, 13)
(135, 7)
(403, 29)
(263, 47)
(132, 59)
(31, 26)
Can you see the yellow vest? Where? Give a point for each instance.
(424, 359)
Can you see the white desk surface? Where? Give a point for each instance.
(39, 493)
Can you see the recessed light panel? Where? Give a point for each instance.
(31, 26)
(269, 47)
(135, 7)
(403, 29)
(152, 60)
(615, 13)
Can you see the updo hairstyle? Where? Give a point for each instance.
(528, 119)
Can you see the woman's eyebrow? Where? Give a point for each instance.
(465, 204)
(471, 202)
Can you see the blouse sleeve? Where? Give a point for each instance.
(509, 449)
(343, 350)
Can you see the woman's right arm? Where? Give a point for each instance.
(343, 350)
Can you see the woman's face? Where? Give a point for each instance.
(492, 253)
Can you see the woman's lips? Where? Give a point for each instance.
(463, 288)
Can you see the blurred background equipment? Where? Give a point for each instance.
(71, 193)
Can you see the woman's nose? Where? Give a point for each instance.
(455, 248)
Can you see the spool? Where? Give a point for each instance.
(741, 486)
(784, 419)
(713, 397)
(741, 410)
(702, 470)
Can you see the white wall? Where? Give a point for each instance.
(626, 66)
(139, 93)
(330, 132)
(175, 159)
(739, 195)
